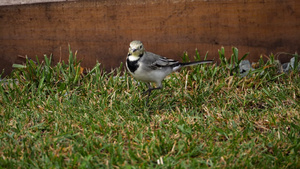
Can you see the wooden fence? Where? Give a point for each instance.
(101, 30)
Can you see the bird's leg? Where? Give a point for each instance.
(150, 90)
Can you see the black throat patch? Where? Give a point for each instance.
(132, 65)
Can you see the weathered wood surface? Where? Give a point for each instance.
(102, 30)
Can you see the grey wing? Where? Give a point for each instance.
(158, 62)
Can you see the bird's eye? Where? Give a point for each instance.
(141, 46)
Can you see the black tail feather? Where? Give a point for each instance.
(196, 63)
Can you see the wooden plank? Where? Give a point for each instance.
(102, 30)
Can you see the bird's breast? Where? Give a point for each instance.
(132, 66)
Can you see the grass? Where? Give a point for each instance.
(53, 116)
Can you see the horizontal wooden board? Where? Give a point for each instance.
(101, 30)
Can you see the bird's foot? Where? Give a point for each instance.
(147, 92)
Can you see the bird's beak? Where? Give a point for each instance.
(133, 50)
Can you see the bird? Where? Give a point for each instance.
(152, 68)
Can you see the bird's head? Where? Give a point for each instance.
(136, 48)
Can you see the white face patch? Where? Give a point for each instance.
(133, 58)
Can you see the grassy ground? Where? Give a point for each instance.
(52, 116)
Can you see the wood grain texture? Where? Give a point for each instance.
(102, 30)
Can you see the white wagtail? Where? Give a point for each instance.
(149, 67)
